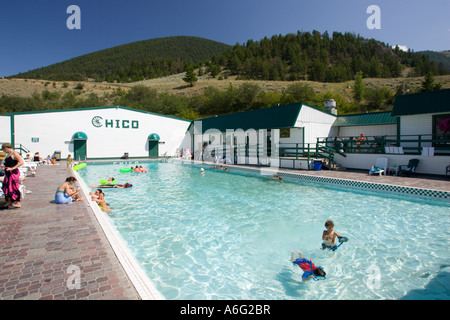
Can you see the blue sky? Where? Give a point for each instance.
(33, 33)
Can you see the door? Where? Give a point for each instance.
(79, 147)
(153, 151)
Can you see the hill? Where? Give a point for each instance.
(321, 57)
(301, 56)
(135, 61)
(438, 57)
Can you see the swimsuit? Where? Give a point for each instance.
(11, 187)
(327, 245)
(61, 197)
(306, 266)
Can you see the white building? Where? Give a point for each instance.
(418, 134)
(94, 133)
(268, 136)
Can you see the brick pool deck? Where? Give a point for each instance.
(42, 240)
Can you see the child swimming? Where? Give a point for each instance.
(310, 270)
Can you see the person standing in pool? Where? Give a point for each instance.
(101, 202)
(329, 236)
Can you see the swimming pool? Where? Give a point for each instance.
(219, 235)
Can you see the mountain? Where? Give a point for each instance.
(301, 56)
(438, 57)
(322, 57)
(133, 61)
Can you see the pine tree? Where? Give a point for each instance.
(428, 83)
(358, 89)
(190, 76)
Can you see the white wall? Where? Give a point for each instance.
(375, 130)
(296, 136)
(5, 129)
(427, 165)
(315, 122)
(420, 124)
(55, 131)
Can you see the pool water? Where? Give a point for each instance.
(225, 235)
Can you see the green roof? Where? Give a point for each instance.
(153, 136)
(365, 119)
(276, 117)
(423, 102)
(79, 136)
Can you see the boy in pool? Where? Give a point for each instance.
(329, 236)
(310, 270)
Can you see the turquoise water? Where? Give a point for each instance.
(219, 235)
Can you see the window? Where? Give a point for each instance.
(285, 133)
(441, 130)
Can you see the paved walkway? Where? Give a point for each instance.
(43, 245)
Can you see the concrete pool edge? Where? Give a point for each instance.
(142, 284)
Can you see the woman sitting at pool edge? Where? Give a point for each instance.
(67, 194)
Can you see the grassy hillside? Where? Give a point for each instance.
(132, 62)
(172, 96)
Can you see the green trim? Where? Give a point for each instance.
(96, 108)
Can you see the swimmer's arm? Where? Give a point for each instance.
(324, 234)
(70, 191)
(306, 279)
(337, 235)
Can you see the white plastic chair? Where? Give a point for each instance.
(380, 167)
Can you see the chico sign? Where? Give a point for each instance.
(99, 122)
